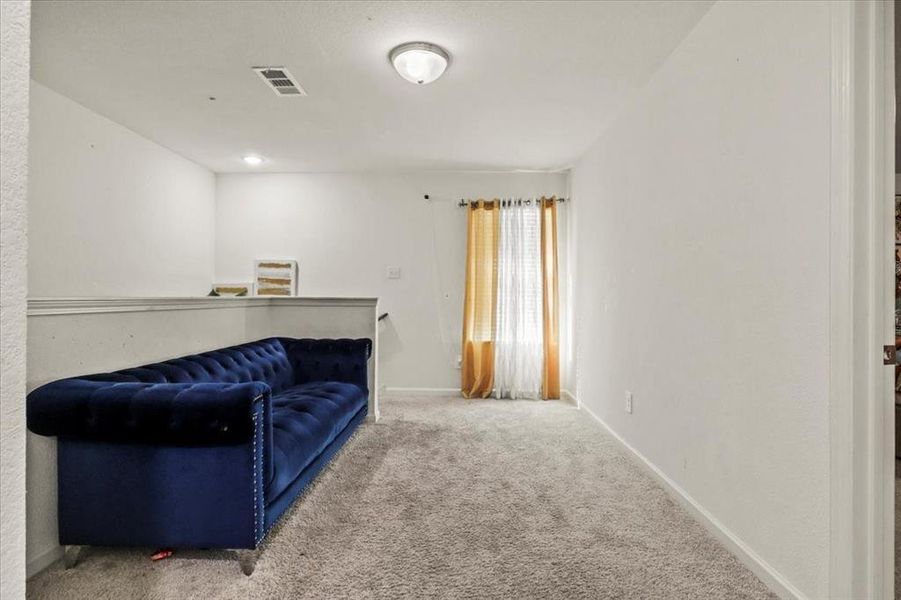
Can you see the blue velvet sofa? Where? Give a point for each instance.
(204, 451)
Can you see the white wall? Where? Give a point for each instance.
(346, 229)
(112, 213)
(15, 19)
(702, 219)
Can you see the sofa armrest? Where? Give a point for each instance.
(193, 414)
(341, 360)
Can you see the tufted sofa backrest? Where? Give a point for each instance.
(329, 360)
(265, 361)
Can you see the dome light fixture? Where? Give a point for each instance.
(419, 62)
(253, 160)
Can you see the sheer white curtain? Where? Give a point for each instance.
(519, 341)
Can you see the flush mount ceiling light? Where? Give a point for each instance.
(253, 159)
(419, 62)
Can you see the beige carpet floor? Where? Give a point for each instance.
(448, 498)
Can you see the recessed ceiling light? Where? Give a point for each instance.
(419, 62)
(253, 159)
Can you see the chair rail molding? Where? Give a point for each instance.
(70, 306)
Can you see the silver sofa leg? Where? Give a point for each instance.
(248, 560)
(71, 554)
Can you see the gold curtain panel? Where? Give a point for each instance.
(550, 379)
(479, 303)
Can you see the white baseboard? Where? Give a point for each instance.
(408, 391)
(565, 395)
(38, 563)
(772, 578)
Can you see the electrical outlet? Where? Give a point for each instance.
(459, 361)
(393, 272)
(629, 402)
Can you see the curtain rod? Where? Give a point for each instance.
(467, 201)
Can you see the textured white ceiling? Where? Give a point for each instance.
(530, 84)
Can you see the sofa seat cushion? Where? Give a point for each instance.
(305, 420)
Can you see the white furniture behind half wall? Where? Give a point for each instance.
(74, 336)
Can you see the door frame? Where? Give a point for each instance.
(861, 388)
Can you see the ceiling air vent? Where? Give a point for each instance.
(280, 81)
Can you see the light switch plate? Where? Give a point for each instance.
(629, 402)
(393, 272)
